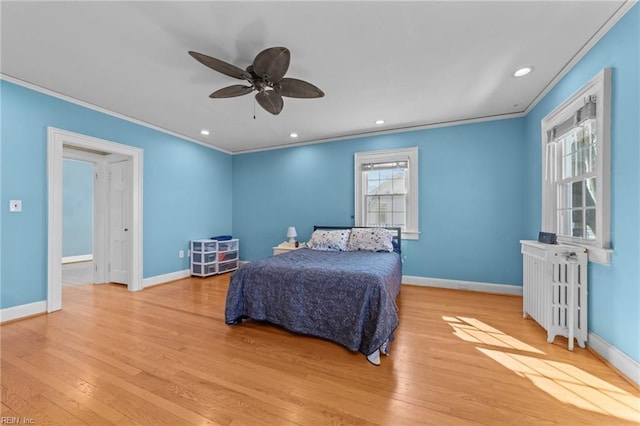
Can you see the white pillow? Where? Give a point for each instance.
(329, 240)
(370, 239)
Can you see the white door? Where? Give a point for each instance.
(119, 211)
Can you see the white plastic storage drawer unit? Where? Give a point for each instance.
(210, 257)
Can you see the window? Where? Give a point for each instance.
(575, 146)
(386, 189)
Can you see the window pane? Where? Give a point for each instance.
(582, 158)
(593, 158)
(564, 222)
(399, 186)
(372, 187)
(561, 195)
(565, 196)
(590, 193)
(398, 219)
(567, 145)
(589, 146)
(591, 132)
(567, 166)
(386, 203)
(578, 223)
(372, 219)
(386, 174)
(576, 192)
(591, 224)
(373, 175)
(399, 203)
(373, 204)
(386, 186)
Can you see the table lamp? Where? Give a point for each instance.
(292, 234)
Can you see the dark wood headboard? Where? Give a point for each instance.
(397, 237)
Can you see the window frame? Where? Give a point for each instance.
(600, 87)
(411, 230)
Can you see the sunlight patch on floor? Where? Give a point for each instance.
(570, 384)
(565, 382)
(475, 331)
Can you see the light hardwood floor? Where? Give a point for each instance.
(77, 273)
(165, 356)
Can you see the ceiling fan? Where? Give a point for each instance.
(265, 76)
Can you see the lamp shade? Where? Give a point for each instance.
(291, 232)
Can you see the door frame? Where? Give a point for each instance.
(56, 139)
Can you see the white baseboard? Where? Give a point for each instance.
(79, 258)
(514, 290)
(161, 279)
(22, 311)
(619, 360)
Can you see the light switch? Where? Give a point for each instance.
(15, 205)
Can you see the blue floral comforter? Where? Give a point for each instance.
(346, 297)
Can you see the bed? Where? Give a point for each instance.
(348, 297)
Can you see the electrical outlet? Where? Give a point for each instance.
(188, 253)
(15, 205)
(181, 253)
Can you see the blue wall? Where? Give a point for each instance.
(471, 198)
(77, 206)
(614, 290)
(187, 188)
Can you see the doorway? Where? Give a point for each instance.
(127, 162)
(96, 217)
(78, 218)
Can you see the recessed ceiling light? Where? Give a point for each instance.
(378, 122)
(521, 72)
(293, 135)
(204, 132)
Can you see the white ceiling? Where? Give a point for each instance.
(412, 64)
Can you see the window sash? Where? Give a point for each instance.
(382, 207)
(576, 159)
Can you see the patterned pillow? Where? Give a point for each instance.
(329, 240)
(370, 239)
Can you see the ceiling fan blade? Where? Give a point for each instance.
(270, 101)
(294, 88)
(272, 64)
(232, 91)
(221, 66)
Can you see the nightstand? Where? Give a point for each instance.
(284, 249)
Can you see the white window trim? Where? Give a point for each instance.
(388, 155)
(600, 86)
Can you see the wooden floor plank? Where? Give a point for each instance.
(165, 356)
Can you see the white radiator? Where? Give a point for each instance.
(555, 289)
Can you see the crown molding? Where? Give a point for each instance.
(91, 106)
(604, 29)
